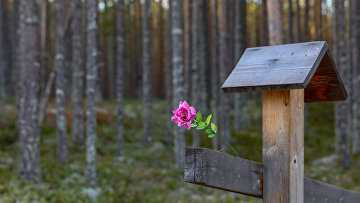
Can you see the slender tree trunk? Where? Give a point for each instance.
(91, 77)
(161, 49)
(203, 59)
(15, 49)
(240, 46)
(298, 21)
(120, 76)
(29, 83)
(195, 64)
(147, 73)
(43, 47)
(169, 88)
(215, 70)
(224, 72)
(59, 67)
(264, 30)
(341, 108)
(5, 51)
(290, 22)
(178, 80)
(318, 19)
(356, 75)
(187, 48)
(78, 75)
(306, 21)
(275, 23)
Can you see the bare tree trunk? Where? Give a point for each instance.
(5, 51)
(60, 81)
(147, 73)
(264, 30)
(44, 52)
(195, 65)
(240, 46)
(306, 21)
(178, 80)
(29, 83)
(356, 75)
(290, 22)
(298, 21)
(203, 59)
(275, 23)
(120, 76)
(342, 108)
(91, 77)
(15, 49)
(224, 72)
(187, 48)
(169, 88)
(318, 19)
(215, 70)
(78, 75)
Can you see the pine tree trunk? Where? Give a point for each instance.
(178, 80)
(275, 23)
(264, 30)
(342, 108)
(306, 21)
(44, 54)
(215, 70)
(187, 48)
(169, 87)
(240, 46)
(298, 21)
(203, 60)
(5, 51)
(29, 83)
(224, 72)
(15, 48)
(91, 77)
(356, 75)
(120, 76)
(195, 65)
(78, 75)
(290, 22)
(146, 53)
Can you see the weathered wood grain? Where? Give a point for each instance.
(222, 171)
(306, 66)
(283, 145)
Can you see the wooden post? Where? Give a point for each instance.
(283, 146)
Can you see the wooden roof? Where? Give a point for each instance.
(306, 66)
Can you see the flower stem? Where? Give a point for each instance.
(226, 142)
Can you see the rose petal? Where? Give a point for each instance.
(188, 125)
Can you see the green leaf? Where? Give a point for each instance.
(209, 131)
(213, 127)
(193, 125)
(199, 116)
(200, 127)
(211, 135)
(202, 124)
(208, 119)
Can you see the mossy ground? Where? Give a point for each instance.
(146, 174)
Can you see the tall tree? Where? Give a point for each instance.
(240, 46)
(5, 50)
(306, 21)
(29, 84)
(318, 19)
(298, 21)
(91, 76)
(290, 22)
(214, 69)
(275, 23)
(356, 74)
(341, 108)
(195, 64)
(169, 87)
(264, 30)
(147, 73)
(187, 47)
(59, 67)
(178, 80)
(78, 74)
(224, 72)
(120, 75)
(203, 58)
(43, 47)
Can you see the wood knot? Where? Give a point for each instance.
(275, 60)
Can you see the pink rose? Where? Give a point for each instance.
(184, 114)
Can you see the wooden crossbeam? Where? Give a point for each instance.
(222, 171)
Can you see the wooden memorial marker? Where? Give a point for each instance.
(288, 75)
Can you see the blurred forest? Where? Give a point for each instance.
(87, 89)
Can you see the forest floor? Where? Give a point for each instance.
(146, 174)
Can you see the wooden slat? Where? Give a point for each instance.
(222, 171)
(283, 145)
(291, 66)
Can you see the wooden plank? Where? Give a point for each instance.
(283, 145)
(222, 171)
(291, 66)
(211, 168)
